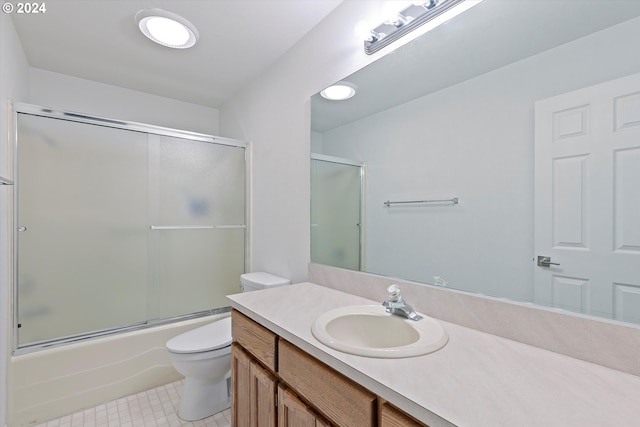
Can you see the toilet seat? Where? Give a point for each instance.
(205, 338)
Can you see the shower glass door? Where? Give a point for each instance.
(336, 217)
(197, 230)
(120, 228)
(82, 240)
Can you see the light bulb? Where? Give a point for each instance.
(167, 30)
(339, 91)
(362, 31)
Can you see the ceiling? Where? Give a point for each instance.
(99, 40)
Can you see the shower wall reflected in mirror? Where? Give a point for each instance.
(120, 228)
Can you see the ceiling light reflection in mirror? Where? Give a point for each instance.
(339, 91)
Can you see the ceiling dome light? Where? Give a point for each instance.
(339, 91)
(166, 28)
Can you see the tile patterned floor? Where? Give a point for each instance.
(157, 407)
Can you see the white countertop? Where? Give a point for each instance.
(476, 380)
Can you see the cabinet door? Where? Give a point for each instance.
(253, 392)
(392, 417)
(240, 387)
(263, 397)
(292, 412)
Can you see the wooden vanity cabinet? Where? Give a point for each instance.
(274, 383)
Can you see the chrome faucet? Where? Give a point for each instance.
(397, 305)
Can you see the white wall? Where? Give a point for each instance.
(274, 114)
(475, 141)
(63, 92)
(14, 84)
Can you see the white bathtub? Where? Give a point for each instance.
(51, 383)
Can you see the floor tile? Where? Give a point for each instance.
(157, 407)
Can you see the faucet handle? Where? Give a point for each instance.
(393, 292)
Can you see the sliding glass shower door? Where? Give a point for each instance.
(196, 225)
(119, 228)
(82, 214)
(336, 212)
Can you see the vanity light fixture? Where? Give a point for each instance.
(434, 12)
(339, 91)
(167, 28)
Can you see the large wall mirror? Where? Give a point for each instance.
(527, 114)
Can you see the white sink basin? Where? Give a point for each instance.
(368, 330)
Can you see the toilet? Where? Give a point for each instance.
(203, 357)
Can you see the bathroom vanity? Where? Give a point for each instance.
(276, 383)
(282, 374)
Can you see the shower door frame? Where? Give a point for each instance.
(362, 223)
(17, 108)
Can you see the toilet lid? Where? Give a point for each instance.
(209, 337)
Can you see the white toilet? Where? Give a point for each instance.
(203, 356)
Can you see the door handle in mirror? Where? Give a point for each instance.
(545, 261)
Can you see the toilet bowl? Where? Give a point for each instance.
(203, 356)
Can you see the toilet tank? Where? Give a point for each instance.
(260, 280)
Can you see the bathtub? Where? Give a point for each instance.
(55, 382)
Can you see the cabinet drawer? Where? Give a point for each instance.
(256, 339)
(343, 402)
